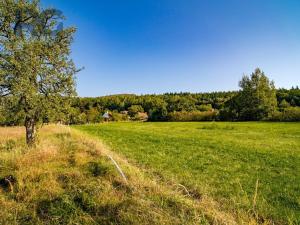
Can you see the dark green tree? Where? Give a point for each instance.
(36, 72)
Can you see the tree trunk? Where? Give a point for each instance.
(30, 131)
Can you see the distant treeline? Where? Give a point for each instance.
(178, 106)
(158, 107)
(221, 106)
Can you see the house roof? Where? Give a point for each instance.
(106, 115)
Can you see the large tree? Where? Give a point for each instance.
(36, 72)
(257, 99)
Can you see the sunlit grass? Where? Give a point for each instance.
(68, 178)
(251, 168)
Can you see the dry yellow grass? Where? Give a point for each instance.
(11, 133)
(68, 178)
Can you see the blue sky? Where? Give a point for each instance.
(158, 46)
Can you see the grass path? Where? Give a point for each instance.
(251, 168)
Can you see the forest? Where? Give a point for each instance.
(219, 106)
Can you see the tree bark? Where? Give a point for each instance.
(30, 131)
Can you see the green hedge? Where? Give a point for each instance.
(192, 116)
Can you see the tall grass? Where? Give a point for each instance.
(68, 178)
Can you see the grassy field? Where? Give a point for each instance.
(249, 168)
(69, 178)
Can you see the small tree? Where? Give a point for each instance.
(284, 104)
(93, 115)
(134, 110)
(36, 72)
(257, 99)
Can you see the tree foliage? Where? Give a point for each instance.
(134, 110)
(163, 107)
(257, 99)
(36, 72)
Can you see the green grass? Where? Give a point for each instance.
(250, 168)
(69, 179)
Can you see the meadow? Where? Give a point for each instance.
(250, 169)
(69, 178)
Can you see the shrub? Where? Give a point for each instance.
(204, 108)
(276, 116)
(118, 117)
(158, 114)
(134, 110)
(140, 117)
(227, 114)
(82, 118)
(192, 116)
(288, 114)
(291, 114)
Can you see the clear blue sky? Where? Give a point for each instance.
(157, 46)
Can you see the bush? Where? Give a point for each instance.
(140, 117)
(81, 119)
(204, 108)
(158, 114)
(227, 114)
(289, 114)
(118, 117)
(192, 116)
(134, 110)
(276, 116)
